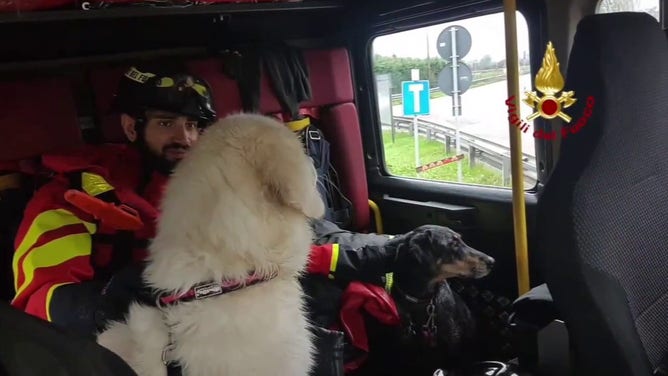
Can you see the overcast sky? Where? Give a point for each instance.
(487, 37)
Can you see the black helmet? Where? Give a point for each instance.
(142, 90)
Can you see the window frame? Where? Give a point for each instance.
(534, 12)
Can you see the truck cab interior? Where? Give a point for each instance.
(595, 198)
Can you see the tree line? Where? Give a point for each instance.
(399, 68)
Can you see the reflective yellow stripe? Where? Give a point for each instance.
(389, 280)
(54, 253)
(298, 125)
(334, 261)
(47, 221)
(94, 184)
(49, 294)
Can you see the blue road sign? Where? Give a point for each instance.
(415, 96)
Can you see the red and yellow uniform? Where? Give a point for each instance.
(64, 255)
(59, 244)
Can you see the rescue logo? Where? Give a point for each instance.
(549, 104)
(549, 82)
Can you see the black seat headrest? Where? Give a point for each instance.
(603, 215)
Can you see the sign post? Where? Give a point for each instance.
(384, 93)
(455, 99)
(454, 43)
(415, 98)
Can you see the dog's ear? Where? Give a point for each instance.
(289, 174)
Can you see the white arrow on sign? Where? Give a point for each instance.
(416, 89)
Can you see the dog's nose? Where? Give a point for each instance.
(489, 262)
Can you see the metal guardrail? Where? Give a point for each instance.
(476, 149)
(523, 70)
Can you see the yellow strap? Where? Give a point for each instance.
(10, 181)
(298, 125)
(376, 216)
(389, 280)
(334, 261)
(94, 184)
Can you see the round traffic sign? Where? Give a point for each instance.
(446, 82)
(462, 42)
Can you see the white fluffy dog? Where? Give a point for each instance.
(237, 206)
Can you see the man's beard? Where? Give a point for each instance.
(158, 163)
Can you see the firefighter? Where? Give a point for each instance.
(80, 246)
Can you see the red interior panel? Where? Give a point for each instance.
(37, 116)
(341, 127)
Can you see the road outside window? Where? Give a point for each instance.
(421, 87)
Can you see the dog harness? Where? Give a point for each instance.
(199, 292)
(429, 329)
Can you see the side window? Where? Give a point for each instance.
(461, 138)
(612, 6)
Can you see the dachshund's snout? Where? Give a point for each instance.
(482, 265)
(488, 261)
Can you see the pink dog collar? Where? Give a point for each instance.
(210, 289)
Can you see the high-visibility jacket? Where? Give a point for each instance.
(63, 255)
(60, 245)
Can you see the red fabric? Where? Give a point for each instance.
(31, 5)
(51, 236)
(320, 259)
(330, 77)
(119, 165)
(105, 83)
(225, 90)
(341, 126)
(9, 166)
(374, 300)
(202, 2)
(329, 74)
(37, 116)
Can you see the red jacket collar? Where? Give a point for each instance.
(120, 165)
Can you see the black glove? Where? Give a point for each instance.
(86, 307)
(123, 288)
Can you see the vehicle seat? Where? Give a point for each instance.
(603, 215)
(39, 117)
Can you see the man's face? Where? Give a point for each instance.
(167, 137)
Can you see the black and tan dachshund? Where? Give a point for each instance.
(437, 329)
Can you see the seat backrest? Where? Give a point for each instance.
(603, 215)
(37, 116)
